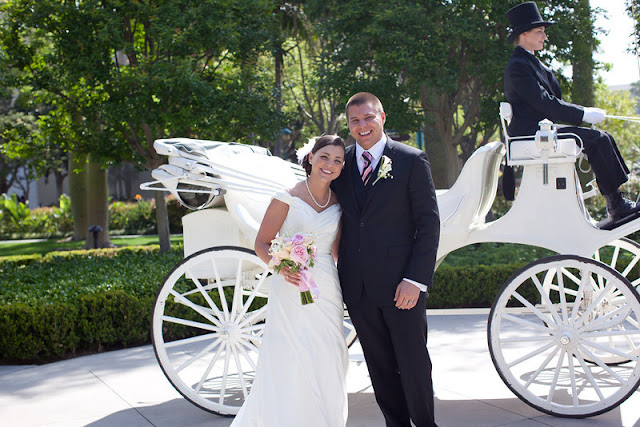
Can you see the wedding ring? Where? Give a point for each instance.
(410, 301)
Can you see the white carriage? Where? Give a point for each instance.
(563, 332)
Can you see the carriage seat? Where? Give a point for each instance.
(470, 198)
(522, 150)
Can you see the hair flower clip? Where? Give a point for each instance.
(305, 149)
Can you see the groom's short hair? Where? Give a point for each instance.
(364, 98)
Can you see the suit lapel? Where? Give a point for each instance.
(542, 72)
(371, 188)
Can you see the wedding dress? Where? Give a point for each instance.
(301, 373)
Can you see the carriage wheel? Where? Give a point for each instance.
(550, 328)
(622, 255)
(207, 326)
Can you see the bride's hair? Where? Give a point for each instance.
(322, 141)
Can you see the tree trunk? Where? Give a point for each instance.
(98, 206)
(438, 140)
(437, 157)
(59, 182)
(582, 54)
(279, 61)
(162, 219)
(78, 194)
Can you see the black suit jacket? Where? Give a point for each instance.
(534, 94)
(392, 231)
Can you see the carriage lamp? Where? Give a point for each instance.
(546, 140)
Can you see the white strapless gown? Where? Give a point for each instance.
(301, 373)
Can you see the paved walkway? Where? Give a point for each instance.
(127, 388)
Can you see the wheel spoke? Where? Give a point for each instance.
(556, 374)
(191, 323)
(252, 295)
(206, 296)
(541, 367)
(572, 276)
(220, 287)
(526, 339)
(236, 303)
(600, 363)
(531, 354)
(198, 355)
(607, 333)
(223, 387)
(526, 323)
(563, 298)
(600, 295)
(243, 383)
(589, 375)
(245, 354)
(248, 344)
(534, 309)
(608, 321)
(546, 300)
(578, 300)
(572, 375)
(191, 340)
(255, 317)
(195, 307)
(632, 264)
(610, 350)
(206, 373)
(614, 257)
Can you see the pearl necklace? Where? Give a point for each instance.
(306, 181)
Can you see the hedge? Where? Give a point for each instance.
(65, 304)
(468, 286)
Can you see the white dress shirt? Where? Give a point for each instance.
(375, 151)
(376, 154)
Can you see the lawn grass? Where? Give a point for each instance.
(17, 247)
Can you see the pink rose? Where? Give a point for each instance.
(281, 254)
(298, 239)
(299, 255)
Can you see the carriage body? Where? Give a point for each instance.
(565, 317)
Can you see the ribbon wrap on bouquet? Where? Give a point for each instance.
(309, 291)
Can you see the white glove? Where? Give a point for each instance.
(593, 115)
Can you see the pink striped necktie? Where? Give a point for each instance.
(367, 169)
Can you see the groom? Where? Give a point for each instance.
(390, 233)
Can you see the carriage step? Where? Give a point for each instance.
(608, 224)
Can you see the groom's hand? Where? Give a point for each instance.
(406, 295)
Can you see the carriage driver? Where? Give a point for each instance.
(534, 94)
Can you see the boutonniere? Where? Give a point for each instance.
(385, 170)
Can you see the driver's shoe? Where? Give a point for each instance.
(619, 207)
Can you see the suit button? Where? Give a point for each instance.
(358, 250)
(361, 224)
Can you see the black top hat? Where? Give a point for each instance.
(524, 17)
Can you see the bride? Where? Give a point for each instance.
(300, 377)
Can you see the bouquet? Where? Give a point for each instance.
(298, 252)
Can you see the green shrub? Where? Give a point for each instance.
(468, 286)
(17, 221)
(69, 303)
(139, 217)
(65, 303)
(18, 261)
